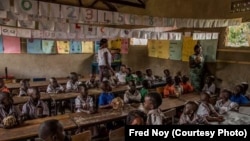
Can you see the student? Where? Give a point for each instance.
(151, 104)
(224, 104)
(110, 78)
(3, 88)
(106, 96)
(129, 75)
(73, 83)
(206, 110)
(24, 85)
(189, 115)
(139, 77)
(144, 90)
(34, 107)
(179, 74)
(54, 86)
(187, 87)
(166, 74)
(84, 102)
(121, 75)
(245, 87)
(238, 97)
(149, 75)
(209, 85)
(7, 109)
(52, 130)
(136, 117)
(178, 86)
(169, 89)
(132, 95)
(92, 83)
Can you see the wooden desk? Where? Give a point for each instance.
(234, 118)
(190, 97)
(29, 130)
(169, 103)
(24, 99)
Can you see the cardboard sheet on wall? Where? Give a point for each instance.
(188, 48)
(209, 49)
(152, 49)
(162, 48)
(88, 47)
(175, 50)
(11, 44)
(75, 47)
(62, 47)
(34, 46)
(48, 46)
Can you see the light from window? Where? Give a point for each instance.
(238, 36)
(138, 42)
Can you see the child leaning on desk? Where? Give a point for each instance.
(54, 86)
(24, 85)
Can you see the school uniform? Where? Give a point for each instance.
(22, 92)
(132, 97)
(51, 89)
(205, 110)
(185, 119)
(143, 93)
(210, 88)
(13, 111)
(30, 109)
(169, 90)
(121, 76)
(72, 86)
(224, 107)
(187, 87)
(150, 78)
(80, 103)
(91, 84)
(105, 98)
(155, 117)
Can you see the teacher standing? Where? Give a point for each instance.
(104, 58)
(196, 64)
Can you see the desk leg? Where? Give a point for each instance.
(56, 107)
(50, 107)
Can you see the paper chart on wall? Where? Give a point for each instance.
(162, 49)
(1, 44)
(11, 44)
(209, 49)
(188, 48)
(152, 49)
(34, 46)
(88, 47)
(124, 46)
(62, 47)
(75, 47)
(116, 44)
(175, 50)
(48, 46)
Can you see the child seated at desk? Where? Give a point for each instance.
(121, 75)
(178, 86)
(3, 88)
(189, 115)
(7, 109)
(136, 117)
(145, 89)
(24, 85)
(84, 102)
(224, 104)
(186, 85)
(166, 73)
(73, 83)
(139, 77)
(106, 96)
(92, 82)
(54, 86)
(169, 89)
(206, 110)
(129, 75)
(132, 95)
(238, 97)
(152, 103)
(35, 108)
(149, 75)
(106, 75)
(209, 85)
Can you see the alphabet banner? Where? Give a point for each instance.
(29, 7)
(62, 47)
(11, 44)
(24, 33)
(9, 31)
(34, 46)
(175, 49)
(188, 48)
(69, 12)
(88, 15)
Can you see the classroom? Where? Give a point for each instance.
(87, 68)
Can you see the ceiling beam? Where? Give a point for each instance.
(128, 3)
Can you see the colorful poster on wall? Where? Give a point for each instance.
(209, 49)
(124, 46)
(152, 49)
(11, 44)
(188, 48)
(97, 46)
(62, 47)
(1, 44)
(116, 44)
(88, 47)
(162, 48)
(48, 46)
(75, 47)
(175, 50)
(34, 46)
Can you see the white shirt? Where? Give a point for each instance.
(101, 59)
(121, 77)
(211, 89)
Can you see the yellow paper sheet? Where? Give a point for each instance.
(152, 49)
(116, 44)
(87, 47)
(63, 47)
(188, 48)
(162, 48)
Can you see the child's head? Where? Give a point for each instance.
(132, 85)
(24, 84)
(73, 76)
(138, 73)
(105, 86)
(104, 43)
(136, 117)
(5, 99)
(152, 101)
(1, 82)
(169, 81)
(51, 130)
(210, 79)
(245, 87)
(197, 49)
(92, 77)
(225, 94)
(128, 70)
(34, 93)
(177, 80)
(238, 90)
(83, 90)
(190, 108)
(149, 72)
(123, 68)
(145, 84)
(179, 73)
(53, 81)
(166, 72)
(185, 79)
(106, 73)
(205, 97)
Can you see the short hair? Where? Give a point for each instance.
(211, 77)
(73, 73)
(103, 41)
(169, 80)
(177, 79)
(185, 78)
(82, 85)
(241, 87)
(147, 70)
(33, 89)
(134, 114)
(131, 82)
(155, 98)
(194, 105)
(227, 91)
(196, 47)
(3, 95)
(49, 128)
(52, 79)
